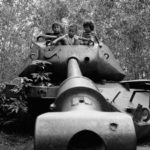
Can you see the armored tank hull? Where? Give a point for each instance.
(96, 62)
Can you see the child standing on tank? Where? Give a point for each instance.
(89, 33)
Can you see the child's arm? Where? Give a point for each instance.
(58, 39)
(84, 39)
(44, 36)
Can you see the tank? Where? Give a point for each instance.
(73, 91)
(64, 90)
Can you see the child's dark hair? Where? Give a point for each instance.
(89, 24)
(58, 24)
(73, 26)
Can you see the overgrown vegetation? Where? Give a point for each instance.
(13, 105)
(124, 25)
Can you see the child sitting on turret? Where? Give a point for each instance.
(89, 33)
(71, 38)
(57, 32)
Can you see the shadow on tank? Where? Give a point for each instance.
(82, 140)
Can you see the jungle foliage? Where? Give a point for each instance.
(124, 25)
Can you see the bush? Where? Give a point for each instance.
(12, 108)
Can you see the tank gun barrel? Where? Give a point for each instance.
(79, 90)
(73, 68)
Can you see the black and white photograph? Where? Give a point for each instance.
(74, 74)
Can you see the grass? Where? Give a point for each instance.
(17, 136)
(13, 141)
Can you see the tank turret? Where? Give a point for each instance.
(97, 63)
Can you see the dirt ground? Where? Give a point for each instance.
(13, 141)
